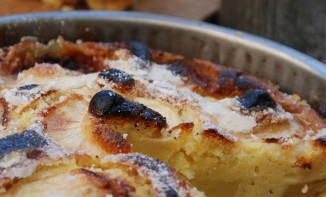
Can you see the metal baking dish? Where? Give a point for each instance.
(293, 71)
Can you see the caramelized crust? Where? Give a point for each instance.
(117, 175)
(84, 111)
(109, 105)
(4, 112)
(321, 141)
(114, 186)
(123, 80)
(219, 135)
(110, 140)
(209, 79)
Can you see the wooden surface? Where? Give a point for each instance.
(300, 24)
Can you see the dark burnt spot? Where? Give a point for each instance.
(149, 114)
(321, 140)
(271, 140)
(7, 183)
(34, 154)
(166, 176)
(246, 83)
(103, 101)
(65, 63)
(5, 115)
(127, 109)
(140, 50)
(257, 99)
(27, 140)
(27, 87)
(114, 186)
(171, 192)
(227, 77)
(148, 162)
(303, 163)
(69, 64)
(306, 166)
(225, 82)
(176, 68)
(230, 80)
(117, 76)
(136, 110)
(191, 69)
(109, 104)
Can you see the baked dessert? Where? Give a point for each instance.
(44, 169)
(228, 133)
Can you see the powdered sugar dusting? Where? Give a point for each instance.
(227, 118)
(130, 65)
(21, 168)
(17, 165)
(163, 85)
(209, 126)
(160, 174)
(53, 150)
(19, 99)
(321, 133)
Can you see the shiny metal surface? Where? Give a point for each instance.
(292, 70)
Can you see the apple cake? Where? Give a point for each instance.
(100, 119)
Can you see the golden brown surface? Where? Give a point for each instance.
(115, 98)
(80, 175)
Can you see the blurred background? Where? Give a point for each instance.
(300, 24)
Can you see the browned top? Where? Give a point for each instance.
(83, 115)
(207, 78)
(114, 98)
(114, 186)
